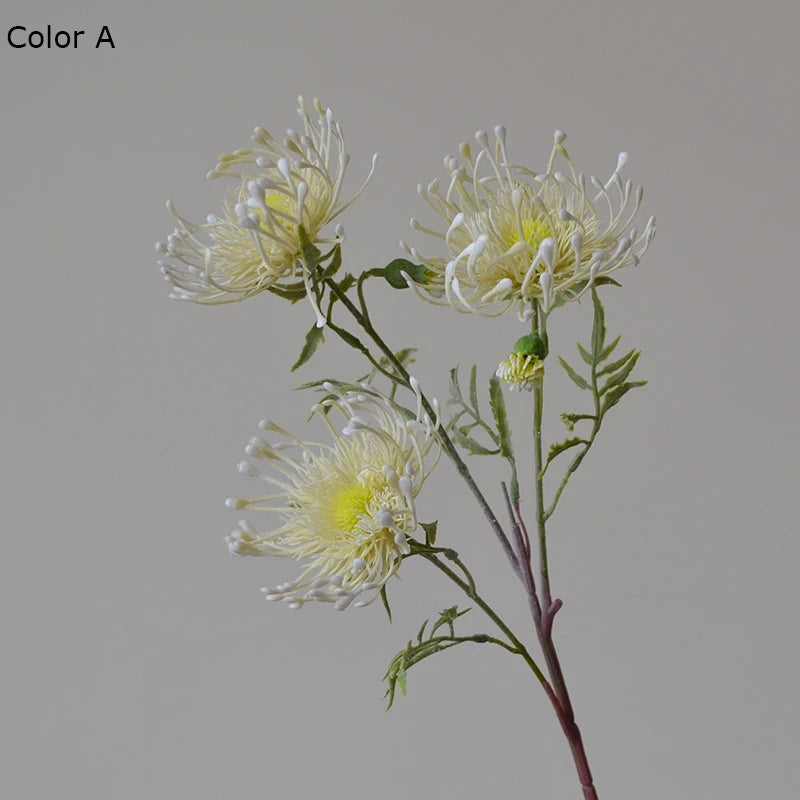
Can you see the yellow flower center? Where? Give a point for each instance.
(534, 230)
(280, 202)
(349, 504)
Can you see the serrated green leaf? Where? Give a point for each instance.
(609, 349)
(617, 393)
(559, 447)
(385, 599)
(430, 529)
(599, 326)
(473, 387)
(615, 365)
(570, 419)
(586, 355)
(314, 338)
(447, 617)
(498, 406)
(622, 375)
(582, 383)
(469, 444)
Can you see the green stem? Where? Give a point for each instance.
(538, 402)
(473, 595)
(447, 445)
(576, 462)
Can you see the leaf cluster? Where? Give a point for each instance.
(468, 420)
(608, 382)
(424, 647)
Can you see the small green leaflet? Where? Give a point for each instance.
(314, 338)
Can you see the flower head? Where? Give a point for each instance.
(516, 237)
(347, 507)
(254, 243)
(521, 371)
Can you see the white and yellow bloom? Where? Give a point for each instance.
(521, 371)
(514, 237)
(254, 243)
(346, 508)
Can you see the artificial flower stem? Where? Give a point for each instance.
(447, 444)
(544, 610)
(568, 724)
(473, 595)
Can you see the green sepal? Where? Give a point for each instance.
(311, 253)
(430, 529)
(531, 345)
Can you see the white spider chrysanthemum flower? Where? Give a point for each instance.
(521, 371)
(347, 507)
(516, 237)
(254, 244)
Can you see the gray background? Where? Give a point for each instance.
(139, 659)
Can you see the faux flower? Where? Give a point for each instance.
(515, 237)
(521, 371)
(346, 508)
(254, 243)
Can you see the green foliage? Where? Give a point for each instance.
(430, 529)
(347, 282)
(468, 419)
(424, 647)
(314, 338)
(559, 447)
(577, 289)
(311, 253)
(473, 447)
(293, 292)
(406, 356)
(385, 600)
(469, 409)
(604, 396)
(580, 382)
(393, 273)
(498, 405)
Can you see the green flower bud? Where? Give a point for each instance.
(531, 345)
